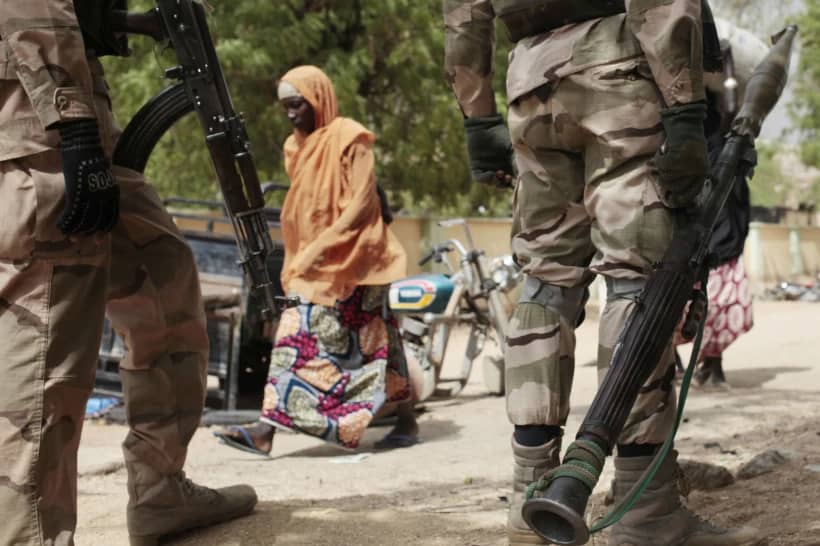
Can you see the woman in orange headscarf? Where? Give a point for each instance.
(337, 358)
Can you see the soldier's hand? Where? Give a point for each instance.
(682, 163)
(489, 151)
(92, 196)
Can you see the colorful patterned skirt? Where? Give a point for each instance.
(332, 368)
(730, 309)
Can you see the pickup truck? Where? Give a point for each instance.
(240, 343)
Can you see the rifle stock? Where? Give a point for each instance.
(558, 514)
(184, 24)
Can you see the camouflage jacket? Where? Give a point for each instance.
(667, 32)
(45, 76)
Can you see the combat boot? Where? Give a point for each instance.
(659, 517)
(166, 505)
(530, 464)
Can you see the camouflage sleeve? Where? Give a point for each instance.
(46, 44)
(469, 45)
(671, 35)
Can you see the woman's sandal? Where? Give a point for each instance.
(396, 440)
(247, 445)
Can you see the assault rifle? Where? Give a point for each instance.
(202, 88)
(557, 514)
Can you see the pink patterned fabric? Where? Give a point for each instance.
(332, 368)
(730, 309)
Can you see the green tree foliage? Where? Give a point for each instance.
(807, 93)
(386, 60)
(766, 186)
(801, 186)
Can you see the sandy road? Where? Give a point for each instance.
(451, 490)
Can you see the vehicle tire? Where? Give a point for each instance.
(253, 368)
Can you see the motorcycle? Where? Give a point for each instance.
(430, 306)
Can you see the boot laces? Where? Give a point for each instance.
(684, 488)
(703, 524)
(191, 489)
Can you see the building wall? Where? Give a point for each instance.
(773, 252)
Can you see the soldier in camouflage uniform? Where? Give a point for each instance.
(79, 238)
(606, 123)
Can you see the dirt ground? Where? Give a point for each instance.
(452, 489)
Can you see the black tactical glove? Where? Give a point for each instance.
(682, 162)
(489, 149)
(92, 196)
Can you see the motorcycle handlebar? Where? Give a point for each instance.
(427, 258)
(436, 253)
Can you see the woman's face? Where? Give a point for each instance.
(300, 114)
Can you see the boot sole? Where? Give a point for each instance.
(156, 540)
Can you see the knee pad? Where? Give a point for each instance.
(568, 302)
(628, 289)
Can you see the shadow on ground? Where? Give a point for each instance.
(753, 378)
(441, 515)
(430, 430)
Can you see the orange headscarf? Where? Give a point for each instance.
(335, 239)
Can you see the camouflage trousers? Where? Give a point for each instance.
(54, 294)
(586, 203)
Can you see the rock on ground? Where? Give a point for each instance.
(762, 463)
(705, 476)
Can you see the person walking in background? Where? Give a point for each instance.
(337, 357)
